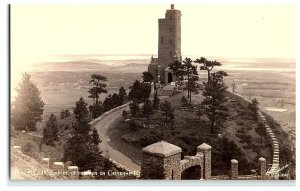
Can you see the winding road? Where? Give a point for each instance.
(102, 126)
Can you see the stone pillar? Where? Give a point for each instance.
(205, 149)
(73, 172)
(161, 160)
(58, 167)
(46, 162)
(234, 169)
(262, 166)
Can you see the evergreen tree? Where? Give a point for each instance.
(200, 111)
(67, 113)
(139, 91)
(178, 69)
(50, 131)
(207, 65)
(115, 100)
(192, 76)
(147, 109)
(156, 101)
(147, 77)
(98, 87)
(82, 148)
(82, 117)
(95, 137)
(27, 108)
(122, 95)
(96, 110)
(253, 106)
(64, 113)
(134, 108)
(167, 111)
(215, 99)
(108, 103)
(125, 114)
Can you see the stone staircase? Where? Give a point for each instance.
(275, 146)
(167, 90)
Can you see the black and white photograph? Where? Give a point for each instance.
(177, 91)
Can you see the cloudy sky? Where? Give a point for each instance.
(218, 30)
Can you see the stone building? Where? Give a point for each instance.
(169, 46)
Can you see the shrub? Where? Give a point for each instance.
(27, 148)
(125, 114)
(133, 126)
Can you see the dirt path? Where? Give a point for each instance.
(102, 127)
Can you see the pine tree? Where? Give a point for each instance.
(82, 148)
(108, 103)
(50, 131)
(167, 111)
(122, 95)
(82, 117)
(192, 76)
(134, 108)
(98, 87)
(213, 103)
(139, 91)
(178, 69)
(147, 77)
(207, 65)
(95, 137)
(200, 111)
(253, 106)
(27, 108)
(125, 114)
(147, 109)
(115, 100)
(156, 101)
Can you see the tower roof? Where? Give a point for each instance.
(162, 149)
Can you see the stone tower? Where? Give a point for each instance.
(169, 45)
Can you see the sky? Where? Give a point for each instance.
(217, 30)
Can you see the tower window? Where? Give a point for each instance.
(162, 39)
(171, 30)
(171, 41)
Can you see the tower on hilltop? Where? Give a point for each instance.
(169, 46)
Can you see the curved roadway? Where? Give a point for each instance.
(102, 127)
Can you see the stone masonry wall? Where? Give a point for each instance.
(157, 167)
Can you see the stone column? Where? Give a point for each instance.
(205, 149)
(161, 160)
(58, 167)
(262, 166)
(234, 169)
(73, 172)
(46, 162)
